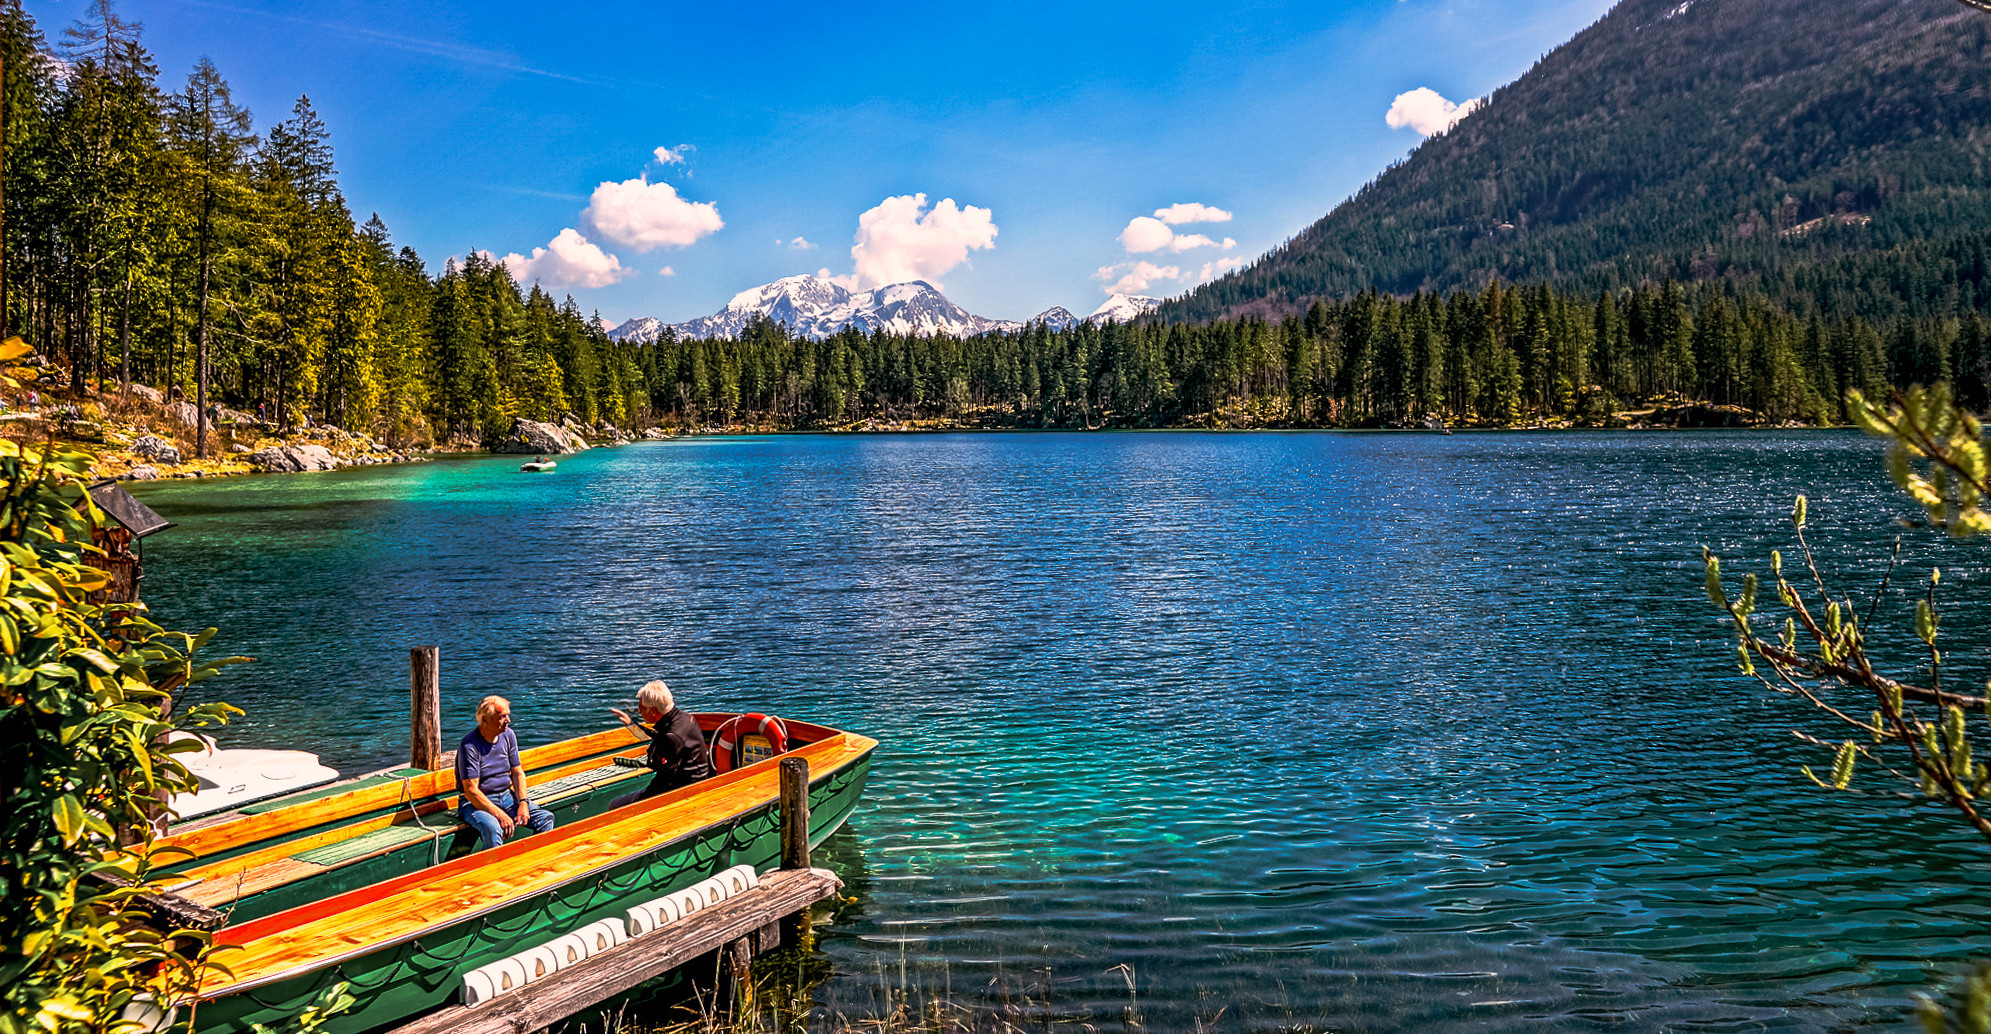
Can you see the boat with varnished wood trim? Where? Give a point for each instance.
(403, 930)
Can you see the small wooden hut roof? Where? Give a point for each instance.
(127, 510)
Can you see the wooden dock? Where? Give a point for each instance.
(753, 917)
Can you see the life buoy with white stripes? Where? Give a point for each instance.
(732, 733)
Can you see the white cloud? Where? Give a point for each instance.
(848, 281)
(1183, 242)
(1424, 110)
(647, 215)
(1134, 277)
(1218, 267)
(1144, 234)
(899, 240)
(1191, 212)
(1229, 243)
(672, 155)
(667, 271)
(799, 244)
(569, 260)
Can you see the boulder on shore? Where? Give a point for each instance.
(532, 436)
(291, 459)
(155, 448)
(152, 395)
(184, 412)
(142, 473)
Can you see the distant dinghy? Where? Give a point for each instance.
(538, 466)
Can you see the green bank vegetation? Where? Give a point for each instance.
(83, 721)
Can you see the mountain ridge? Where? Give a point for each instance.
(816, 307)
(1713, 139)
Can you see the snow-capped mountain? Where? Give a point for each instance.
(1057, 317)
(1123, 308)
(816, 307)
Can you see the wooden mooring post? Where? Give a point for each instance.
(795, 929)
(424, 707)
(735, 929)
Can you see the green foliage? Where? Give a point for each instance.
(84, 695)
(1923, 739)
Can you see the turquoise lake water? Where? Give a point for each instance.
(1362, 732)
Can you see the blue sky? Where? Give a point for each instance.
(510, 127)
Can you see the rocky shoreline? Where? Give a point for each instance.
(145, 436)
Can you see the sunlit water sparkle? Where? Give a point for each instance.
(1369, 732)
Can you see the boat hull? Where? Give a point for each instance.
(402, 980)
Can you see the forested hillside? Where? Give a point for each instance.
(152, 235)
(1781, 146)
(1503, 356)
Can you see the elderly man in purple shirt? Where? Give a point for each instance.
(491, 778)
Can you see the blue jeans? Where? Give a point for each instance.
(486, 824)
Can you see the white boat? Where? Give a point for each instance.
(538, 466)
(234, 778)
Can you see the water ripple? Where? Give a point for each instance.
(1361, 732)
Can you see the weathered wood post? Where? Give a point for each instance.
(795, 839)
(424, 707)
(795, 813)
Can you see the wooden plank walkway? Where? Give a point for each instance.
(543, 1003)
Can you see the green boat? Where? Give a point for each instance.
(403, 929)
(298, 849)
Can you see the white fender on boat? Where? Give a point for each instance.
(477, 987)
(689, 900)
(503, 975)
(541, 962)
(713, 890)
(603, 935)
(739, 879)
(668, 910)
(571, 949)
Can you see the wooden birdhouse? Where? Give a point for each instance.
(120, 534)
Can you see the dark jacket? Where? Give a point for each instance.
(677, 753)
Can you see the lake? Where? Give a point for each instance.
(1364, 732)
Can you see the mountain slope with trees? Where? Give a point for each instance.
(1777, 145)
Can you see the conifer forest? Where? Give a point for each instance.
(154, 234)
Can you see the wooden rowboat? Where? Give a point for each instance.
(403, 929)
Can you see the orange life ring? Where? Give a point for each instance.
(727, 741)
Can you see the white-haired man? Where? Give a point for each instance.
(491, 779)
(677, 748)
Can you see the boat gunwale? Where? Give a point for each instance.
(237, 831)
(317, 911)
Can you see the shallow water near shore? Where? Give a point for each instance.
(1380, 732)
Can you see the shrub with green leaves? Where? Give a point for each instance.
(86, 694)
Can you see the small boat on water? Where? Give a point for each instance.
(538, 466)
(375, 884)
